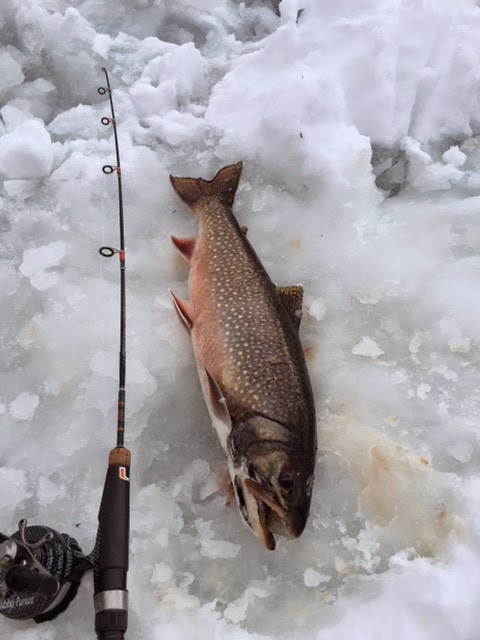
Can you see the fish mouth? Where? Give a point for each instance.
(263, 511)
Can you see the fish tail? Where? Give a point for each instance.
(223, 186)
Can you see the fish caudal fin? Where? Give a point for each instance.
(223, 186)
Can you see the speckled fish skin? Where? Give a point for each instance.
(245, 335)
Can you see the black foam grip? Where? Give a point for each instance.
(114, 527)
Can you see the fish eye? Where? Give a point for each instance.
(286, 482)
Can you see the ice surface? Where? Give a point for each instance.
(14, 487)
(358, 125)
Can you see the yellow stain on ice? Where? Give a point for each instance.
(296, 243)
(398, 488)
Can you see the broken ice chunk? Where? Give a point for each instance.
(461, 451)
(24, 406)
(368, 348)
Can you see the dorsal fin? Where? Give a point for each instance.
(223, 186)
(292, 298)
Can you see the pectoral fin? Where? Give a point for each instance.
(292, 298)
(183, 311)
(186, 246)
(217, 401)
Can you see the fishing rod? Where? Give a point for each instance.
(40, 568)
(111, 595)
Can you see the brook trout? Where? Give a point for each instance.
(250, 361)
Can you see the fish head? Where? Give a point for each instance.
(272, 476)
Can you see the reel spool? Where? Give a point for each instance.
(40, 572)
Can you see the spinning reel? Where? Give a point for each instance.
(40, 572)
(41, 569)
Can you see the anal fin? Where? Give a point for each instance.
(292, 298)
(183, 311)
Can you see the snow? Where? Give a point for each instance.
(12, 74)
(24, 405)
(423, 390)
(358, 126)
(454, 156)
(26, 152)
(313, 578)
(37, 260)
(317, 309)
(461, 451)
